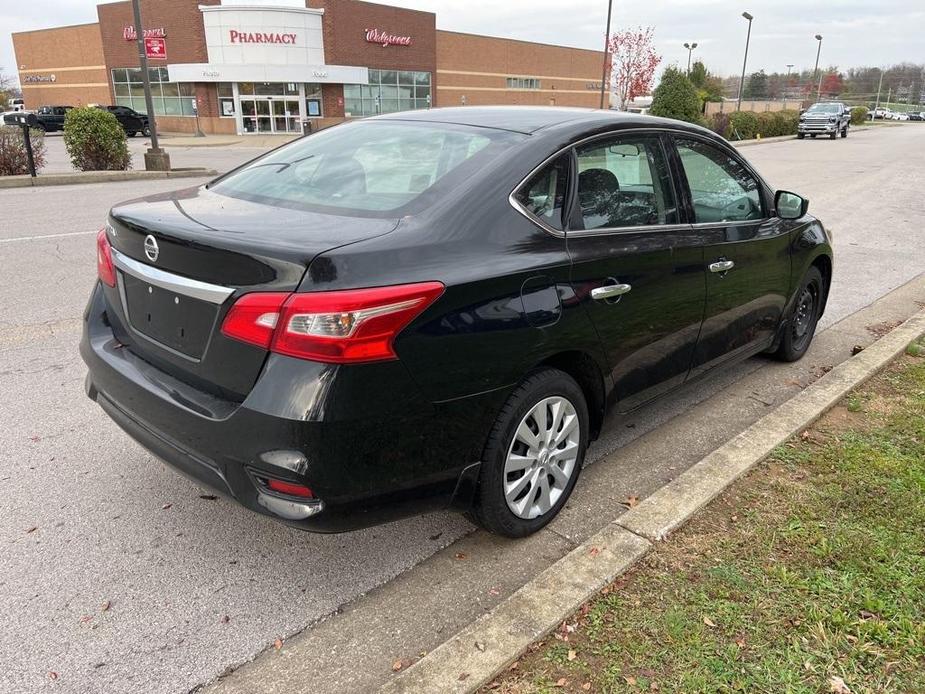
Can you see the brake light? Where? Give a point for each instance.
(104, 266)
(354, 325)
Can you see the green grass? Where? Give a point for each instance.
(812, 567)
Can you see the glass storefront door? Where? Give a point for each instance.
(269, 107)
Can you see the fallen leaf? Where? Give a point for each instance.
(86, 618)
(586, 686)
(463, 676)
(434, 538)
(225, 619)
(740, 642)
(208, 497)
(653, 686)
(630, 501)
(52, 675)
(857, 349)
(278, 643)
(32, 529)
(35, 439)
(459, 555)
(594, 552)
(804, 436)
(106, 606)
(514, 665)
(480, 646)
(709, 622)
(494, 591)
(837, 685)
(630, 680)
(865, 614)
(572, 655)
(396, 666)
(165, 507)
(561, 682)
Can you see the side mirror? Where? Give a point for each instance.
(790, 205)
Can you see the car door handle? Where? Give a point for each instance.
(722, 266)
(609, 291)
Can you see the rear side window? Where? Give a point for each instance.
(371, 168)
(624, 182)
(722, 189)
(543, 196)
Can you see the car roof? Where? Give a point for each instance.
(527, 119)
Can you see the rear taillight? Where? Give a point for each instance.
(354, 325)
(104, 267)
(290, 488)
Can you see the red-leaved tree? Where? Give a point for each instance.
(633, 63)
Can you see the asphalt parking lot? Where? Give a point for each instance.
(119, 576)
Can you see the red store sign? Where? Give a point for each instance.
(129, 34)
(236, 36)
(383, 38)
(156, 48)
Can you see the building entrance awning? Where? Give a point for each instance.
(207, 72)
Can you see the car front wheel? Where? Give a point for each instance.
(844, 131)
(132, 133)
(146, 131)
(533, 456)
(806, 312)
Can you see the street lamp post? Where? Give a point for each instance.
(748, 37)
(786, 91)
(690, 49)
(816, 69)
(879, 87)
(606, 52)
(156, 159)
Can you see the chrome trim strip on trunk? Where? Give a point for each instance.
(212, 293)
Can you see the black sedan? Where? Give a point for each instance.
(435, 309)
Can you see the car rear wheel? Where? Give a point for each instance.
(802, 324)
(533, 456)
(132, 133)
(146, 131)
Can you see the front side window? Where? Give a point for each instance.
(543, 196)
(624, 182)
(722, 189)
(368, 168)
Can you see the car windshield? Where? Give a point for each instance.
(823, 108)
(368, 168)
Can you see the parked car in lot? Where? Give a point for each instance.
(881, 113)
(916, 115)
(51, 118)
(436, 309)
(130, 120)
(828, 118)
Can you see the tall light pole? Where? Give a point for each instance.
(816, 69)
(156, 159)
(748, 37)
(606, 52)
(879, 87)
(690, 49)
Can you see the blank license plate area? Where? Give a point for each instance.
(174, 320)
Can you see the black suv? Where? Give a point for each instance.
(130, 120)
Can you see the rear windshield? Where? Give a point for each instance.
(368, 168)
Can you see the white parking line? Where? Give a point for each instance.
(48, 236)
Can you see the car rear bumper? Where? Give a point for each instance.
(363, 439)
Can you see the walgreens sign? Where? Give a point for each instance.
(384, 38)
(235, 36)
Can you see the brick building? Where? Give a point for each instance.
(267, 68)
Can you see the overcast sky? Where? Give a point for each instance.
(856, 32)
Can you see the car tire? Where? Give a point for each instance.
(801, 136)
(844, 132)
(546, 405)
(146, 131)
(801, 325)
(132, 133)
(833, 135)
(813, 135)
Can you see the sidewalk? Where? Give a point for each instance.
(187, 140)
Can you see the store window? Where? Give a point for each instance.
(169, 98)
(313, 101)
(225, 100)
(523, 83)
(388, 91)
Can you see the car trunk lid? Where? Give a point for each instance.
(183, 258)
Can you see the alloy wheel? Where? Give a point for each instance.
(542, 457)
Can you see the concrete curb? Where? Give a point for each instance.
(68, 179)
(475, 655)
